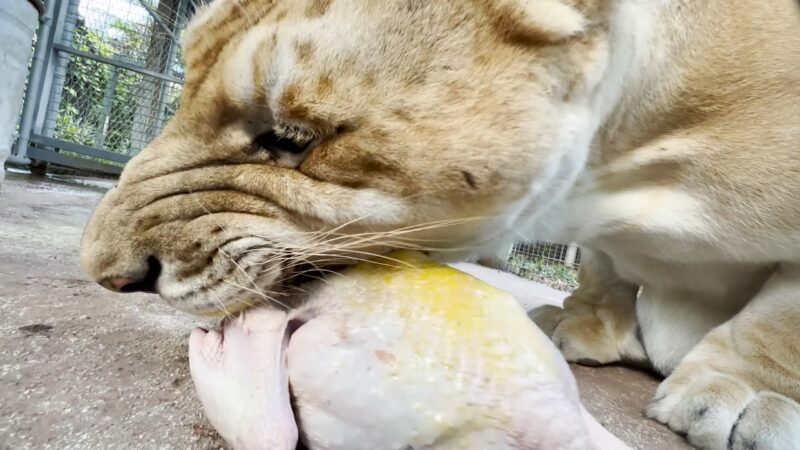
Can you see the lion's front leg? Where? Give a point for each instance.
(739, 387)
(598, 322)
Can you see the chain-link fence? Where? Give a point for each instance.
(110, 76)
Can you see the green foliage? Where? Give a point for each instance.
(82, 95)
(80, 118)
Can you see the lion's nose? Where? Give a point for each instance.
(144, 284)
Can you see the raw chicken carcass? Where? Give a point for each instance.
(415, 355)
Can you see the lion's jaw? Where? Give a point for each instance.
(445, 126)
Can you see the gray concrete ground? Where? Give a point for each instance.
(82, 368)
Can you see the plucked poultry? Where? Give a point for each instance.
(409, 354)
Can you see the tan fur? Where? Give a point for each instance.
(662, 135)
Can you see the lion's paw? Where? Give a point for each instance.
(717, 411)
(581, 336)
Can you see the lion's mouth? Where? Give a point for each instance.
(247, 272)
(287, 291)
(306, 273)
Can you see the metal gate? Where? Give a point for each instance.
(105, 76)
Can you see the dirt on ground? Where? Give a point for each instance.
(83, 368)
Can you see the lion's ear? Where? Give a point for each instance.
(547, 21)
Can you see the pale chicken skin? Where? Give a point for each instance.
(407, 355)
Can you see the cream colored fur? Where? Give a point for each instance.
(662, 135)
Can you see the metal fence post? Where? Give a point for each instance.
(572, 255)
(108, 100)
(162, 95)
(33, 92)
(60, 62)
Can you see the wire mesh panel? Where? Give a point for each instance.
(106, 103)
(140, 32)
(112, 108)
(116, 74)
(550, 263)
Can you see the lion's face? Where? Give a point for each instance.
(316, 132)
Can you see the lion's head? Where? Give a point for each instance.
(317, 132)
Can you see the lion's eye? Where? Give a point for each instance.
(272, 142)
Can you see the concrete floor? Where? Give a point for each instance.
(82, 368)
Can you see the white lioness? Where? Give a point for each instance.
(662, 135)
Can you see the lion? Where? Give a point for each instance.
(661, 135)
